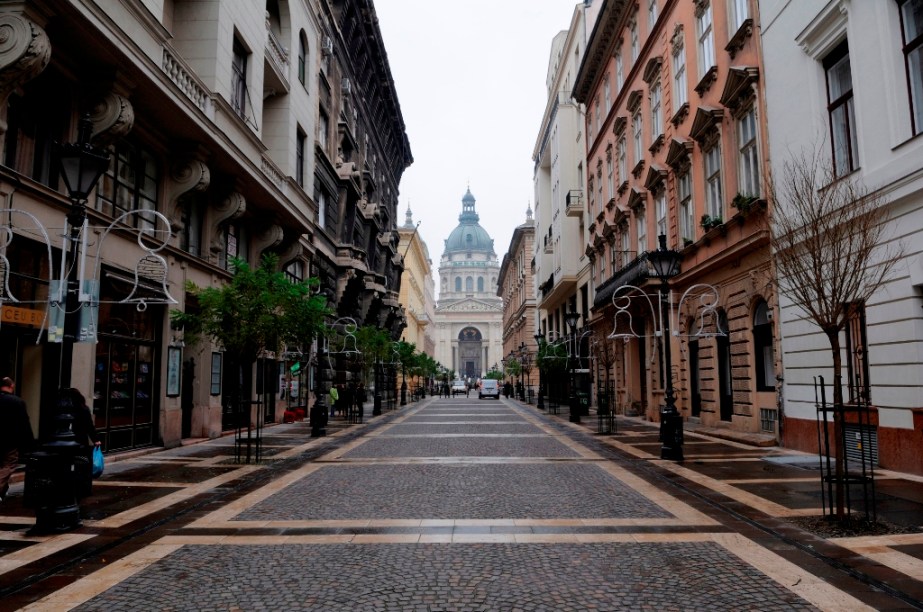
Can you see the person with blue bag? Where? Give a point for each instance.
(74, 403)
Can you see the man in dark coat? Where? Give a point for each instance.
(15, 432)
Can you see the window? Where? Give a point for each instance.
(642, 231)
(661, 200)
(840, 110)
(301, 140)
(619, 72)
(762, 348)
(129, 184)
(190, 240)
(235, 245)
(34, 122)
(623, 159)
(633, 35)
(592, 193)
(599, 186)
(610, 169)
(458, 283)
(321, 198)
(239, 80)
(608, 95)
(740, 12)
(323, 127)
(602, 268)
(480, 284)
(599, 117)
(749, 179)
(713, 182)
(684, 195)
(912, 30)
(656, 115)
(857, 351)
(294, 271)
(302, 58)
(651, 14)
(680, 96)
(469, 284)
(613, 257)
(624, 246)
(706, 41)
(637, 128)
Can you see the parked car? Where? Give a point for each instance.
(489, 388)
(459, 386)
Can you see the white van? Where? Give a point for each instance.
(489, 388)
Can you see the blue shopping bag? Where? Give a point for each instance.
(99, 463)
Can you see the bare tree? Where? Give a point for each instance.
(830, 249)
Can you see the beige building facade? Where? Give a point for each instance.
(516, 287)
(417, 288)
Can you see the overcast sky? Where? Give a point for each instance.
(470, 79)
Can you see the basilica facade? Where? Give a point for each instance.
(469, 315)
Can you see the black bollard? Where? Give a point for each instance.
(51, 481)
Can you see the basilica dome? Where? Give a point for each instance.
(469, 236)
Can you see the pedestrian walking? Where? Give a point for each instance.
(333, 399)
(361, 397)
(15, 432)
(73, 402)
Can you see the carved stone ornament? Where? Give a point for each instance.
(231, 208)
(24, 52)
(186, 174)
(677, 40)
(113, 117)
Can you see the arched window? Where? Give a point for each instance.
(458, 283)
(762, 348)
(469, 284)
(480, 283)
(302, 58)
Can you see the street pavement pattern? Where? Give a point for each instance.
(448, 504)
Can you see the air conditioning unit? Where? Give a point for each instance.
(347, 87)
(327, 46)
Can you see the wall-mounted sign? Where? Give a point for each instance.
(21, 316)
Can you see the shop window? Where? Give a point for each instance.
(763, 348)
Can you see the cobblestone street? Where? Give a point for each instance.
(448, 504)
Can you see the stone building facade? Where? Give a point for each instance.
(417, 288)
(677, 146)
(469, 315)
(251, 128)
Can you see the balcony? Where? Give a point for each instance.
(549, 245)
(278, 65)
(573, 204)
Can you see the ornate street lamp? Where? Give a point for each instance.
(81, 167)
(665, 264)
(522, 370)
(539, 340)
(571, 319)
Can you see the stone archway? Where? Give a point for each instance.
(470, 353)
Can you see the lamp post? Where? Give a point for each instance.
(82, 165)
(665, 263)
(539, 340)
(571, 319)
(522, 363)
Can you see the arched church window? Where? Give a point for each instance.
(458, 283)
(469, 284)
(480, 283)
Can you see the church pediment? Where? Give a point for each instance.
(470, 305)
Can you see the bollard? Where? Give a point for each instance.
(51, 481)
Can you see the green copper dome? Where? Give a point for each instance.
(469, 236)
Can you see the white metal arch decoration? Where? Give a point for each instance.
(701, 298)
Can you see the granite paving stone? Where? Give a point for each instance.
(384, 447)
(400, 577)
(473, 491)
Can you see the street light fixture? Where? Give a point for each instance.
(666, 263)
(571, 319)
(539, 339)
(81, 167)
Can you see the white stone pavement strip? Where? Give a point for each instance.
(44, 546)
(881, 549)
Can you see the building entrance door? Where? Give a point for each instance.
(469, 353)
